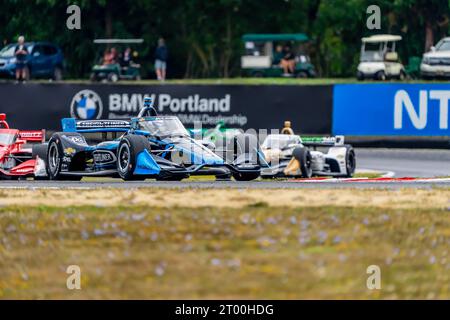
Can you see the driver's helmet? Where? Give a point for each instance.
(287, 128)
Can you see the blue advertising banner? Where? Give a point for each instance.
(391, 109)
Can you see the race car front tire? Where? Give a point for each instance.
(129, 147)
(40, 150)
(350, 161)
(55, 154)
(303, 156)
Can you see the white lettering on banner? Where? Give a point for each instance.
(127, 103)
(114, 102)
(419, 120)
(442, 96)
(132, 103)
(193, 104)
(402, 99)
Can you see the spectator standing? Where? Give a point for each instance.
(21, 53)
(161, 60)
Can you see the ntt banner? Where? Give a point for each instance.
(35, 105)
(391, 109)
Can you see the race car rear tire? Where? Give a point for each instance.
(303, 156)
(350, 161)
(246, 144)
(129, 147)
(55, 154)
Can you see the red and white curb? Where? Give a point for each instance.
(381, 179)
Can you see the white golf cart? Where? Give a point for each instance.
(379, 60)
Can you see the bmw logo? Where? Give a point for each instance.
(86, 105)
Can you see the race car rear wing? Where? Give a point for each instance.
(74, 125)
(32, 135)
(323, 141)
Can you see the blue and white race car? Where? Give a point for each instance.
(148, 146)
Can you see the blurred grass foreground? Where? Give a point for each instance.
(150, 247)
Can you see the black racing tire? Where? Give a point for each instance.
(55, 154)
(303, 156)
(129, 147)
(39, 150)
(350, 161)
(246, 144)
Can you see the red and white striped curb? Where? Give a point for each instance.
(381, 179)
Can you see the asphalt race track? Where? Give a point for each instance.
(406, 162)
(398, 163)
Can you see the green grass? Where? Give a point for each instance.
(249, 81)
(248, 253)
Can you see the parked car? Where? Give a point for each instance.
(436, 62)
(45, 60)
(379, 60)
(259, 58)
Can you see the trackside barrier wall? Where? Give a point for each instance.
(386, 112)
(37, 105)
(390, 110)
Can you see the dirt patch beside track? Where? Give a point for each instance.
(230, 198)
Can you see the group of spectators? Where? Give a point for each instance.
(112, 56)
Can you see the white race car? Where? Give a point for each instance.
(293, 156)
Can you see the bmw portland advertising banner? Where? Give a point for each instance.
(391, 109)
(255, 106)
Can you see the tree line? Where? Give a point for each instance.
(204, 36)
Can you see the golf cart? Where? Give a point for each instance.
(116, 71)
(379, 60)
(260, 59)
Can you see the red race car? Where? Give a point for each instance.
(18, 158)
